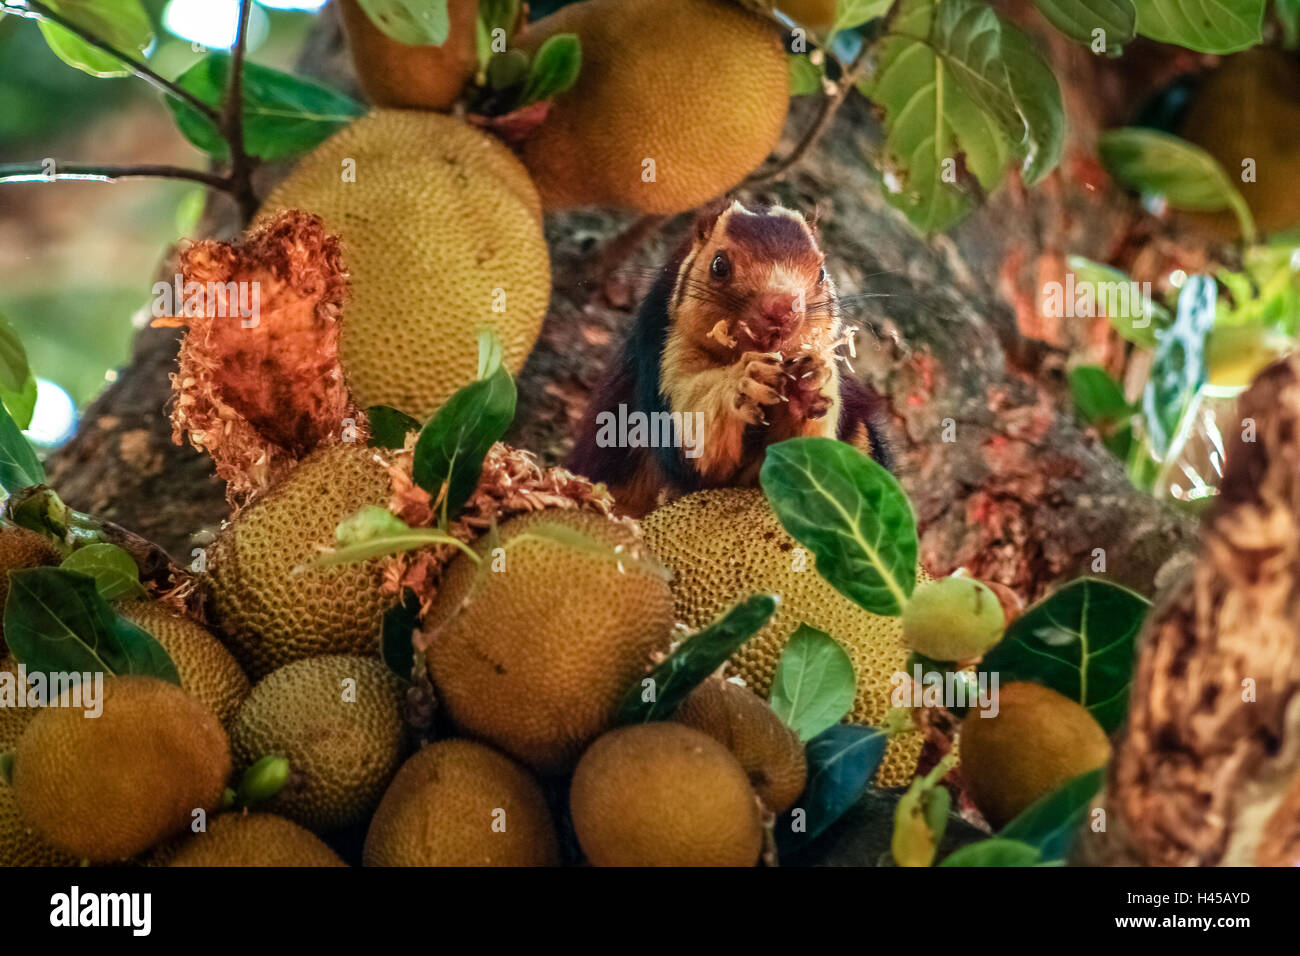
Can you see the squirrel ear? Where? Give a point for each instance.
(708, 216)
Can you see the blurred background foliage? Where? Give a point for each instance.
(77, 260)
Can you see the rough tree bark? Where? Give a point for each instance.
(1021, 495)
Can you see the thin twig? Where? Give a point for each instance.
(35, 10)
(98, 172)
(233, 120)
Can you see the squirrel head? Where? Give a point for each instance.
(755, 280)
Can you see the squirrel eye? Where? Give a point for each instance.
(720, 268)
(821, 275)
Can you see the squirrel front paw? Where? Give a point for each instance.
(806, 377)
(759, 386)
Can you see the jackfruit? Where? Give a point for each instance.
(20, 548)
(459, 803)
(108, 787)
(952, 619)
(1038, 741)
(769, 751)
(338, 721)
(816, 15)
(253, 839)
(205, 667)
(724, 545)
(393, 73)
(533, 649)
(441, 234)
(271, 607)
(664, 794)
(676, 102)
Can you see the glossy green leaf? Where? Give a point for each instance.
(413, 22)
(452, 446)
(995, 852)
(114, 571)
(1052, 822)
(1078, 19)
(814, 683)
(1178, 369)
(14, 370)
(1097, 396)
(851, 513)
(389, 427)
(554, 69)
(1160, 164)
(56, 621)
(122, 24)
(1207, 26)
(1080, 641)
(693, 660)
(1034, 87)
(21, 404)
(19, 466)
(854, 13)
(937, 137)
(284, 115)
(841, 760)
(805, 75)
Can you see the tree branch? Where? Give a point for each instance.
(233, 120)
(100, 173)
(35, 10)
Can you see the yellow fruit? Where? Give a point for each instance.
(19, 844)
(206, 668)
(253, 839)
(535, 658)
(20, 548)
(270, 612)
(663, 794)
(699, 87)
(816, 15)
(338, 721)
(726, 544)
(393, 73)
(1237, 353)
(1038, 741)
(769, 751)
(441, 235)
(952, 619)
(459, 803)
(107, 788)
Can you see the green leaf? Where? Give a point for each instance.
(805, 75)
(555, 68)
(55, 620)
(122, 24)
(381, 545)
(851, 513)
(395, 639)
(1039, 100)
(1136, 318)
(1207, 26)
(1178, 369)
(1077, 19)
(283, 115)
(452, 446)
(1288, 15)
(14, 370)
(854, 13)
(22, 404)
(814, 684)
(1097, 396)
(413, 22)
(693, 660)
(841, 760)
(1079, 641)
(995, 852)
(968, 37)
(1052, 822)
(114, 571)
(937, 137)
(1159, 164)
(389, 427)
(19, 466)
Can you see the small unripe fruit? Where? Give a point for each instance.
(952, 619)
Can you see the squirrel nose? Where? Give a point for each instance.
(780, 309)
